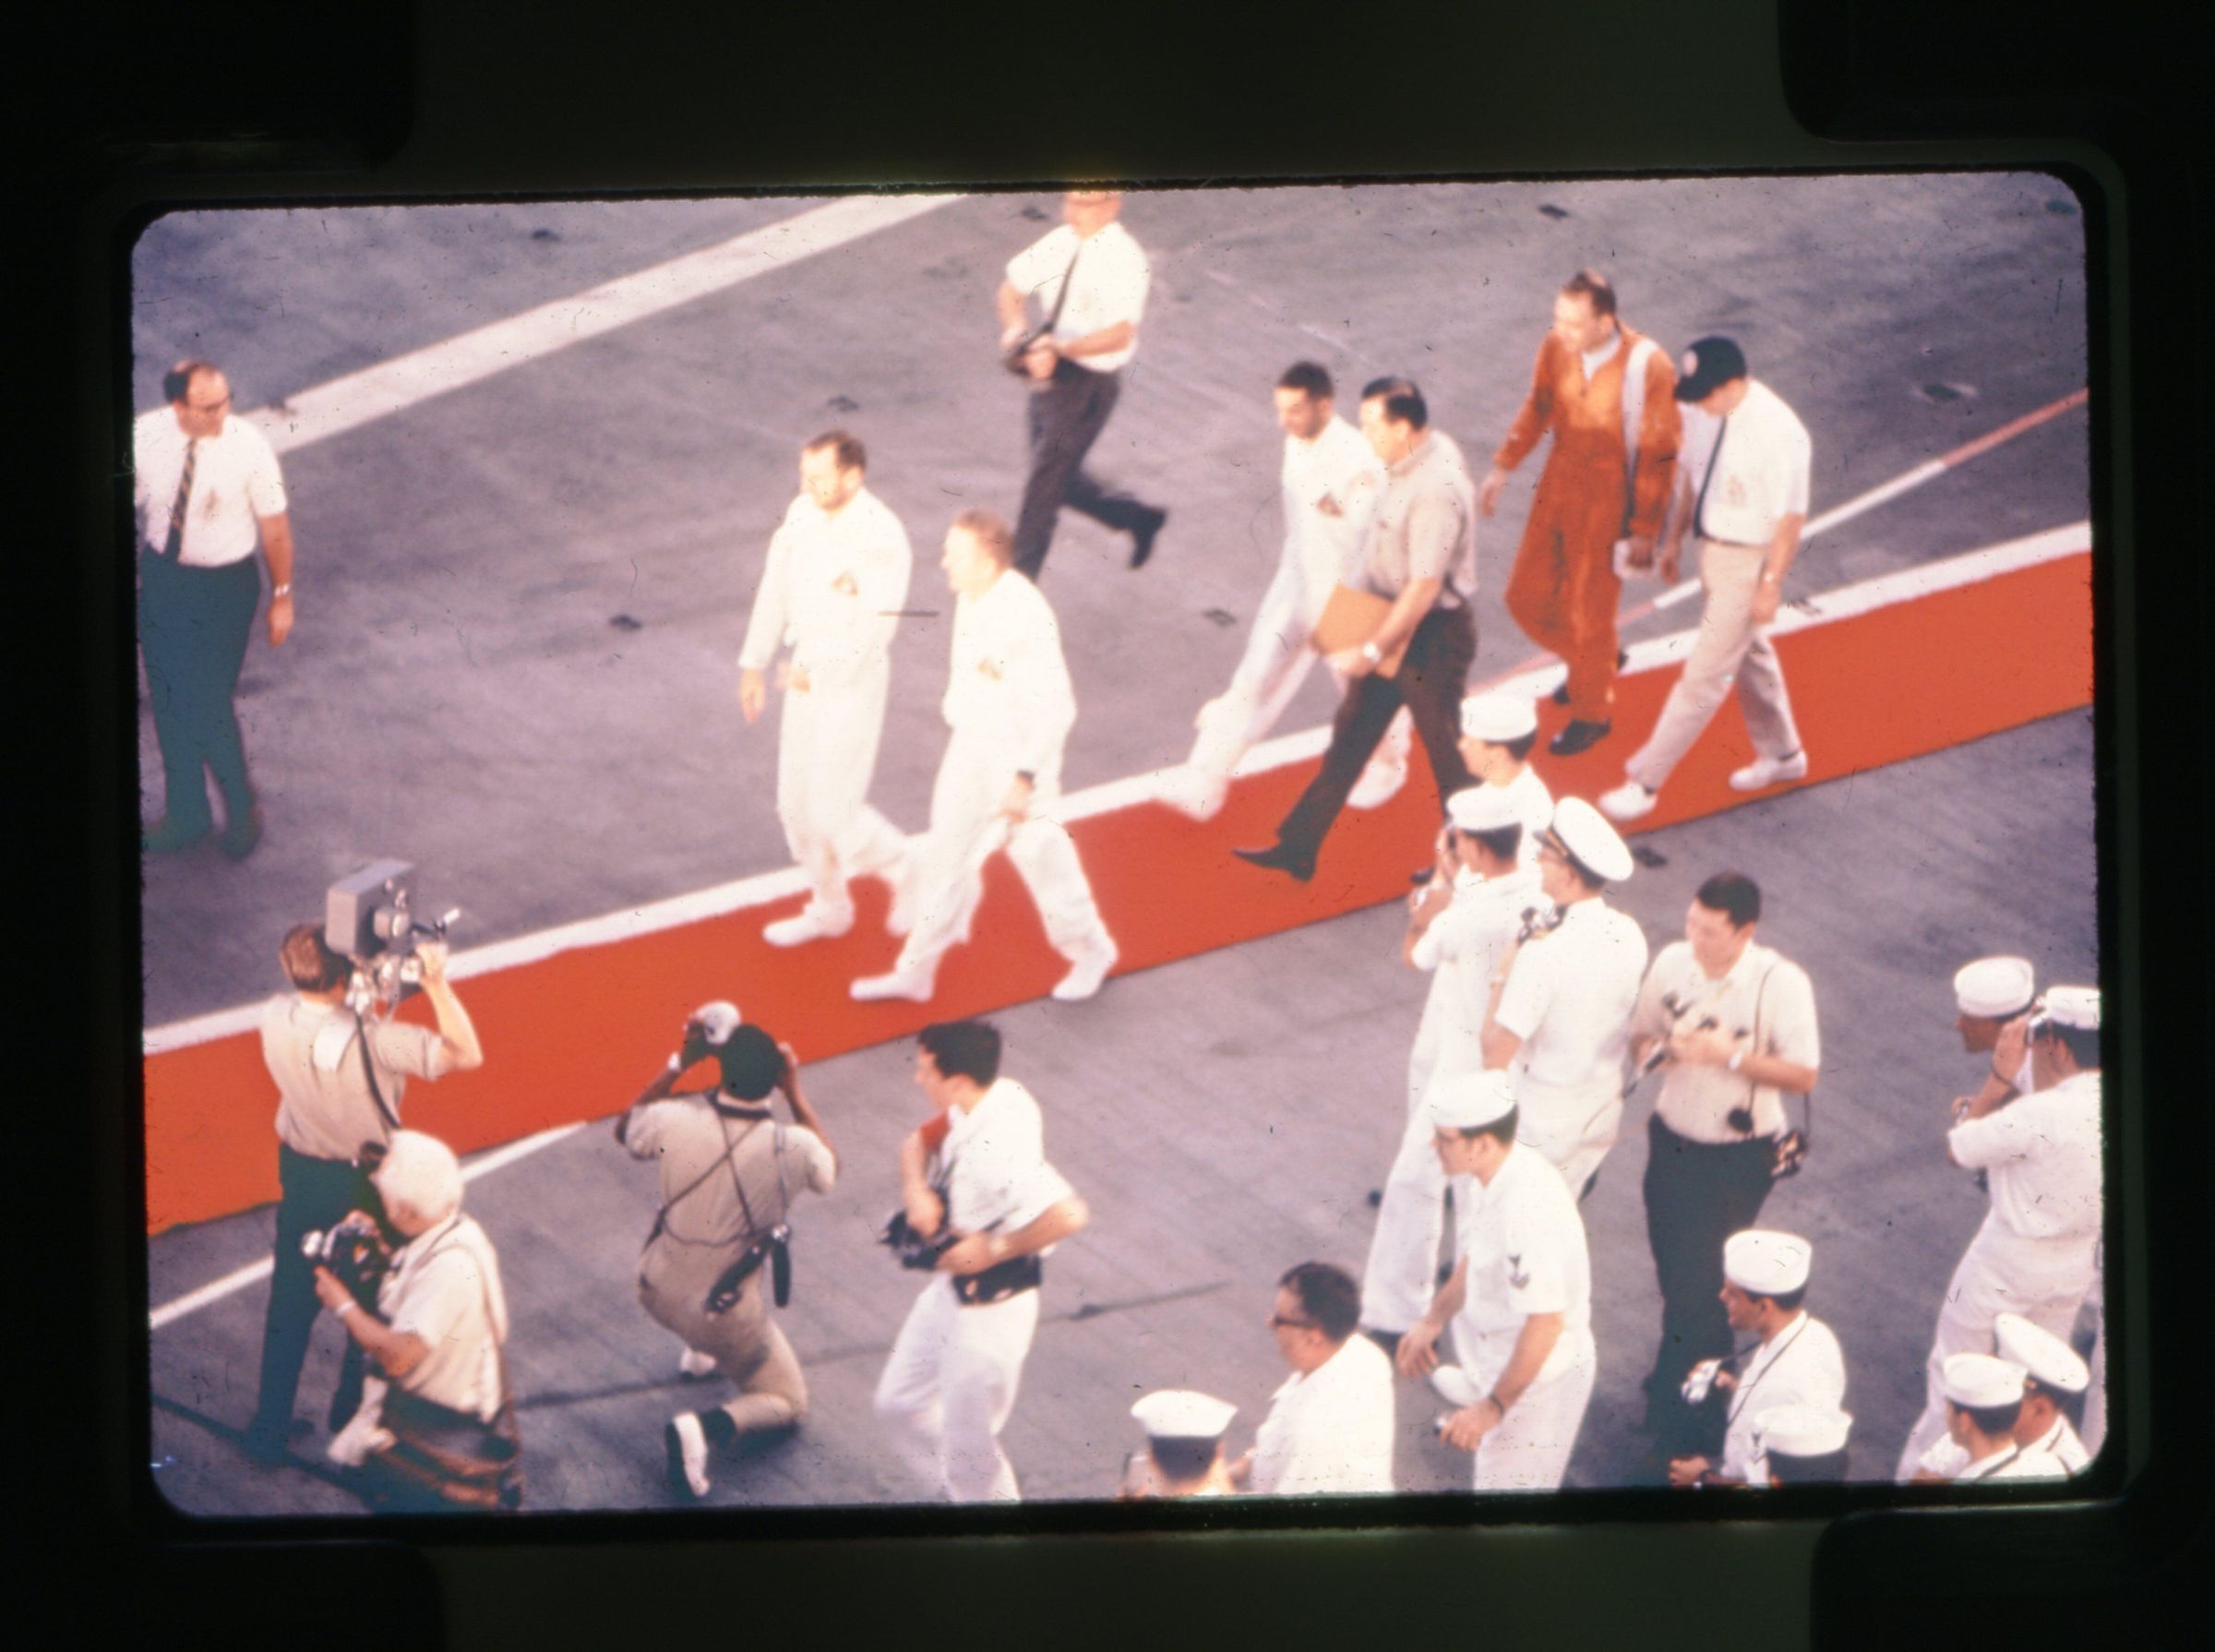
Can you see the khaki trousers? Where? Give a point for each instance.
(1729, 647)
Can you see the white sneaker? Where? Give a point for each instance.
(1387, 770)
(1768, 770)
(1084, 978)
(1628, 801)
(1192, 792)
(896, 983)
(809, 924)
(693, 1363)
(1455, 1386)
(687, 1444)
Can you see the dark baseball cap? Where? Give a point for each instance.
(1710, 364)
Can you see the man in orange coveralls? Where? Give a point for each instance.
(1599, 486)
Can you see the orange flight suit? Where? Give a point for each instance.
(1564, 590)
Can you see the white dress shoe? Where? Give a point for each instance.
(1387, 771)
(898, 983)
(1768, 770)
(687, 1444)
(1085, 976)
(808, 924)
(693, 1363)
(1628, 801)
(1191, 793)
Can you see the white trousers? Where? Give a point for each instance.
(950, 1385)
(1571, 1126)
(1529, 1449)
(965, 830)
(2043, 1280)
(1729, 647)
(1402, 1274)
(826, 752)
(1277, 659)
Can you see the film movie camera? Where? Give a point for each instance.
(369, 917)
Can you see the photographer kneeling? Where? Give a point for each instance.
(339, 1078)
(436, 1426)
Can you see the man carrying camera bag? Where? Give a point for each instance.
(718, 1249)
(338, 1080)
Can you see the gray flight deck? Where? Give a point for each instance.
(518, 604)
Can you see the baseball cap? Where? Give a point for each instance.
(1709, 365)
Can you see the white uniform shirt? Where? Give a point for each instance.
(1523, 1243)
(832, 586)
(1761, 474)
(1110, 286)
(999, 1178)
(2059, 1442)
(1462, 946)
(1534, 805)
(1569, 995)
(445, 1288)
(2014, 1463)
(1802, 1365)
(234, 481)
(1329, 1430)
(1764, 995)
(1010, 684)
(2040, 1156)
(1340, 466)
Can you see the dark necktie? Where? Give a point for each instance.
(1699, 526)
(173, 546)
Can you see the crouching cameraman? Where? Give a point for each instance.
(437, 1425)
(339, 1078)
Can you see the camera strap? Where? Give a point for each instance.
(731, 1145)
(376, 1094)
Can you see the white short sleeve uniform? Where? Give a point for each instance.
(1108, 285)
(1329, 1431)
(2034, 1253)
(1569, 998)
(1462, 948)
(445, 1288)
(831, 588)
(1534, 807)
(1523, 1243)
(1802, 1365)
(949, 1384)
(1010, 706)
(235, 480)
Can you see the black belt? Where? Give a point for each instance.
(999, 1282)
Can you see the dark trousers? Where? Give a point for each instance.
(1431, 678)
(193, 624)
(317, 1194)
(1697, 1195)
(1066, 418)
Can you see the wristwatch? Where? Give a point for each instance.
(1372, 653)
(1737, 1059)
(278, 590)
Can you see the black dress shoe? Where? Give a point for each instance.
(241, 835)
(1580, 734)
(1278, 857)
(169, 834)
(1561, 694)
(1144, 536)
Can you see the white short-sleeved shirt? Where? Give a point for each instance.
(445, 1288)
(1523, 1240)
(1761, 474)
(1425, 524)
(1534, 807)
(1008, 683)
(1000, 1178)
(2040, 1156)
(832, 586)
(235, 481)
(1463, 945)
(324, 1107)
(1763, 995)
(2015, 1463)
(1570, 994)
(1329, 1430)
(1340, 466)
(1109, 285)
(1802, 1365)
(2059, 1442)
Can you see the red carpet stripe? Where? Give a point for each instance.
(574, 1036)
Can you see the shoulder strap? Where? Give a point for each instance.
(1633, 415)
(660, 1216)
(377, 1094)
(1062, 297)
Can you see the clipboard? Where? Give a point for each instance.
(1350, 618)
